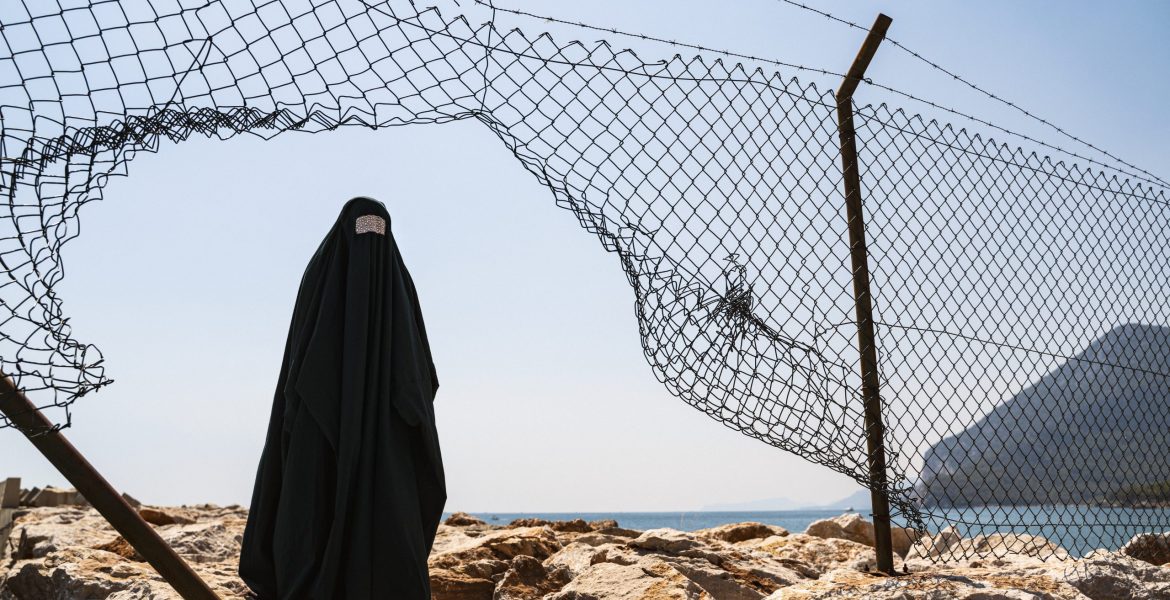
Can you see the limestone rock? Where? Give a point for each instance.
(618, 532)
(1114, 575)
(849, 526)
(451, 585)
(670, 541)
(1153, 548)
(648, 579)
(80, 572)
(462, 519)
(974, 585)
(529, 579)
(577, 556)
(71, 553)
(821, 554)
(501, 544)
(47, 530)
(738, 532)
(575, 525)
(1013, 546)
(934, 546)
(158, 516)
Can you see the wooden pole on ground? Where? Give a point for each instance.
(866, 343)
(101, 495)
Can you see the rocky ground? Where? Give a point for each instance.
(69, 552)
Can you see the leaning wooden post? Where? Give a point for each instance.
(21, 411)
(866, 343)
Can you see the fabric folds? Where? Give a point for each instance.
(350, 487)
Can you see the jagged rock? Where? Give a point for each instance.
(575, 525)
(618, 532)
(1114, 575)
(855, 528)
(849, 526)
(670, 541)
(122, 548)
(202, 542)
(451, 585)
(648, 579)
(57, 528)
(1012, 546)
(821, 554)
(576, 557)
(83, 573)
(528, 579)
(603, 524)
(462, 519)
(1153, 548)
(70, 553)
(738, 532)
(719, 569)
(974, 585)
(934, 546)
(156, 516)
(529, 522)
(503, 544)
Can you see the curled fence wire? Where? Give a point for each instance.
(1020, 302)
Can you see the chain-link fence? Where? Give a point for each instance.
(1020, 303)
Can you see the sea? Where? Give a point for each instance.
(1077, 529)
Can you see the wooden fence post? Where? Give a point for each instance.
(101, 495)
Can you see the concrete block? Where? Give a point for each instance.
(10, 493)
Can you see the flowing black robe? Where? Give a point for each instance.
(350, 486)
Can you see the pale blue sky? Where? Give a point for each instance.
(185, 275)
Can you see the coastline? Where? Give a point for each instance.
(69, 552)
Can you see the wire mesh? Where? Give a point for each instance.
(1020, 302)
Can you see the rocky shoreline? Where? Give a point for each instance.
(68, 552)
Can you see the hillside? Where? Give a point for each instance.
(1086, 432)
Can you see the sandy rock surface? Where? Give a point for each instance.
(69, 553)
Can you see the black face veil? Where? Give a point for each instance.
(350, 486)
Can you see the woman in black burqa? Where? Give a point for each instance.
(350, 485)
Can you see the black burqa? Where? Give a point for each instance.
(350, 485)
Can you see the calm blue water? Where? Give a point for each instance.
(1078, 529)
(792, 520)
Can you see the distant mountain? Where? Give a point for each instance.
(859, 501)
(1090, 431)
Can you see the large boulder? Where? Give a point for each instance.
(1002, 548)
(647, 579)
(821, 555)
(499, 544)
(853, 527)
(968, 585)
(1153, 548)
(529, 579)
(849, 526)
(932, 547)
(462, 519)
(733, 533)
(452, 585)
(577, 556)
(1110, 575)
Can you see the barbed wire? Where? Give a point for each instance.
(1151, 177)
